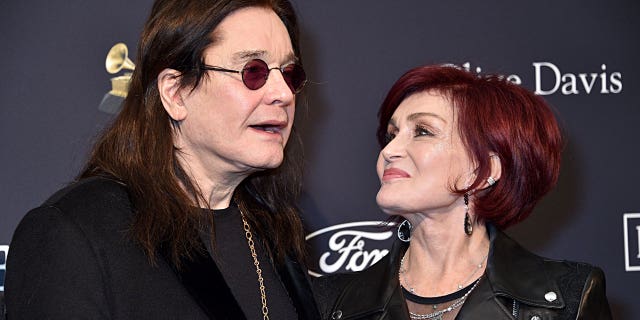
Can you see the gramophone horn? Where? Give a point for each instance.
(117, 59)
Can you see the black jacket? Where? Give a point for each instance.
(73, 258)
(514, 287)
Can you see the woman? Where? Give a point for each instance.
(462, 158)
(185, 209)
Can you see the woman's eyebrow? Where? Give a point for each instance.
(417, 115)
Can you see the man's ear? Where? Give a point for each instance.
(169, 89)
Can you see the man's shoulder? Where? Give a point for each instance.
(93, 205)
(86, 191)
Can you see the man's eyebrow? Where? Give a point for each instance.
(243, 56)
(248, 55)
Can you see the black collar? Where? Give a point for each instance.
(202, 278)
(296, 281)
(514, 274)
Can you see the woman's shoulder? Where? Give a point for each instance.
(570, 287)
(566, 273)
(581, 284)
(581, 288)
(560, 268)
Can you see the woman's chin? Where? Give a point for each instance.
(388, 206)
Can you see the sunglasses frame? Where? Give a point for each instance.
(244, 68)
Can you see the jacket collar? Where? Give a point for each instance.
(295, 280)
(373, 291)
(512, 273)
(204, 281)
(517, 273)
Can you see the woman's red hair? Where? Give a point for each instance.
(498, 117)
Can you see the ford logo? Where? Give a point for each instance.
(348, 247)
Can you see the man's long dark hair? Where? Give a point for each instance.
(138, 149)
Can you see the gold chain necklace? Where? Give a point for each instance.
(263, 294)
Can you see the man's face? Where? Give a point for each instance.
(230, 129)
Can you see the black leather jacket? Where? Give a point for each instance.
(517, 285)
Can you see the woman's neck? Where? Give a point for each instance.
(442, 258)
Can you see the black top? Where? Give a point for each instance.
(440, 299)
(233, 258)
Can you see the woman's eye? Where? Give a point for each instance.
(421, 131)
(388, 137)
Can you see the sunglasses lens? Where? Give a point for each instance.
(255, 73)
(294, 76)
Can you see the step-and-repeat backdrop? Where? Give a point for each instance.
(582, 56)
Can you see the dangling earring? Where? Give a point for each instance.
(404, 231)
(468, 227)
(491, 181)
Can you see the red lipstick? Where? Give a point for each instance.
(394, 173)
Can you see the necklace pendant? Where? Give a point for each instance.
(438, 317)
(435, 306)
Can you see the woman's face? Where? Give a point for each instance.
(424, 158)
(230, 129)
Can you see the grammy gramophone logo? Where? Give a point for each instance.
(117, 60)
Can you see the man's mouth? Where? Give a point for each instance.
(270, 127)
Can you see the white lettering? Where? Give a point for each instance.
(588, 85)
(616, 82)
(4, 252)
(514, 79)
(609, 83)
(638, 229)
(556, 72)
(549, 79)
(569, 86)
(358, 258)
(467, 66)
(603, 80)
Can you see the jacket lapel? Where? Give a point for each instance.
(482, 304)
(512, 273)
(294, 279)
(202, 278)
(519, 274)
(376, 291)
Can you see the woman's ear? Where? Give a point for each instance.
(169, 89)
(496, 169)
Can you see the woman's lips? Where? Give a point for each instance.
(394, 173)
